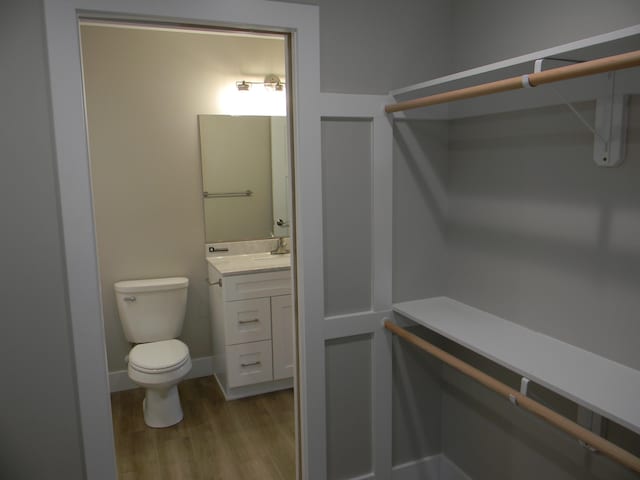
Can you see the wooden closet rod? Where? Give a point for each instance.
(606, 64)
(605, 446)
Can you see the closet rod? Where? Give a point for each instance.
(604, 446)
(591, 67)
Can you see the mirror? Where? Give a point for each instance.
(245, 176)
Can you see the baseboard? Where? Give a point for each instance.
(427, 468)
(450, 471)
(200, 367)
(435, 467)
(368, 476)
(252, 390)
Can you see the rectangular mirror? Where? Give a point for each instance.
(245, 175)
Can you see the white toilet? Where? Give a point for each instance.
(152, 314)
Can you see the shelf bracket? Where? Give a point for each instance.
(611, 119)
(524, 386)
(593, 422)
(610, 129)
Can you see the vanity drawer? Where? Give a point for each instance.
(255, 285)
(249, 363)
(247, 321)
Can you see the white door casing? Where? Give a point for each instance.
(62, 33)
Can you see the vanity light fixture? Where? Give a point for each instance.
(271, 83)
(243, 86)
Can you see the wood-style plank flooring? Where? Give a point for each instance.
(251, 438)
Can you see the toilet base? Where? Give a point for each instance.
(162, 407)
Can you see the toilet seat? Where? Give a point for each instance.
(158, 357)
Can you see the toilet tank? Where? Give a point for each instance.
(153, 309)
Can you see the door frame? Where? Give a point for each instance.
(73, 170)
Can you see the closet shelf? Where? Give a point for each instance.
(576, 90)
(607, 388)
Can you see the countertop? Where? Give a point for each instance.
(250, 263)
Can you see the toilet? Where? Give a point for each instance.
(152, 314)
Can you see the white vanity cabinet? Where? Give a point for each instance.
(252, 326)
(282, 336)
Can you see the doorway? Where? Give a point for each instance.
(145, 88)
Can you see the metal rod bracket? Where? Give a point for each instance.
(524, 385)
(611, 119)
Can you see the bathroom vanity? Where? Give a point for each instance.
(252, 321)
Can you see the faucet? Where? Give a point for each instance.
(281, 248)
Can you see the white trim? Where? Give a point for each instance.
(256, 389)
(372, 107)
(382, 405)
(65, 72)
(309, 270)
(435, 467)
(200, 367)
(382, 203)
(427, 467)
(335, 105)
(367, 476)
(360, 323)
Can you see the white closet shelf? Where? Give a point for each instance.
(577, 90)
(607, 388)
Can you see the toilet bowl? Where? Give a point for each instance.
(152, 314)
(159, 367)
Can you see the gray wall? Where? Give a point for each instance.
(373, 46)
(420, 206)
(40, 431)
(492, 30)
(540, 235)
(490, 439)
(381, 60)
(509, 214)
(417, 402)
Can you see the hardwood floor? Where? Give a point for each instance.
(251, 438)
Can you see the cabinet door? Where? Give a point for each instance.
(282, 336)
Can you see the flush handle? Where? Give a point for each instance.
(130, 299)
(253, 320)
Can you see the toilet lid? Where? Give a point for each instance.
(158, 357)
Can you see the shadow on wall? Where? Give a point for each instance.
(420, 205)
(423, 146)
(417, 401)
(538, 234)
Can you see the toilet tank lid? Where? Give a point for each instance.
(151, 284)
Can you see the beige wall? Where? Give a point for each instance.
(144, 91)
